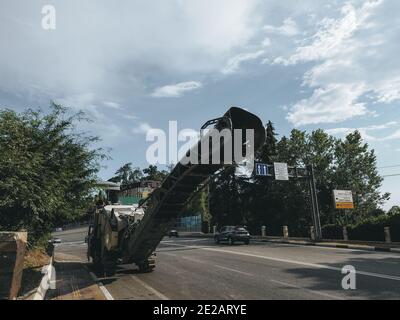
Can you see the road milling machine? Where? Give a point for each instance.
(120, 234)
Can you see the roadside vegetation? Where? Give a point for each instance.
(47, 168)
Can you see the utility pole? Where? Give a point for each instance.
(305, 173)
(314, 203)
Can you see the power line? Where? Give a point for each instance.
(391, 175)
(386, 167)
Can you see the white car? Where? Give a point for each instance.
(56, 240)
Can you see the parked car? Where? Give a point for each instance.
(233, 234)
(56, 240)
(173, 233)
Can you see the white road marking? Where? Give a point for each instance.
(203, 262)
(234, 270)
(185, 240)
(70, 261)
(71, 243)
(313, 265)
(156, 292)
(308, 290)
(103, 289)
(327, 247)
(390, 262)
(185, 258)
(324, 247)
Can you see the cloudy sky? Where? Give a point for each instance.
(135, 65)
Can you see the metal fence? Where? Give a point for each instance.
(189, 224)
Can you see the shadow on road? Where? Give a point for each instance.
(73, 282)
(376, 279)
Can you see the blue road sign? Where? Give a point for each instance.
(261, 169)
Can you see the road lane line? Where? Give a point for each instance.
(156, 292)
(294, 245)
(313, 265)
(70, 243)
(308, 290)
(233, 270)
(103, 289)
(203, 262)
(324, 247)
(184, 258)
(183, 240)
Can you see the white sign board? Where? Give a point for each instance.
(281, 171)
(343, 199)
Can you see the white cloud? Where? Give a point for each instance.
(365, 131)
(111, 49)
(234, 63)
(128, 116)
(142, 128)
(329, 39)
(266, 42)
(112, 105)
(394, 136)
(388, 90)
(349, 57)
(86, 102)
(334, 103)
(176, 90)
(288, 28)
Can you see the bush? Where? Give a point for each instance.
(47, 170)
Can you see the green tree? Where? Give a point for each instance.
(260, 193)
(320, 154)
(395, 210)
(268, 151)
(225, 200)
(152, 173)
(199, 205)
(47, 169)
(355, 168)
(127, 175)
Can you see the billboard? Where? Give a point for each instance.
(281, 171)
(343, 199)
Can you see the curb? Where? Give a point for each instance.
(308, 243)
(47, 281)
(341, 246)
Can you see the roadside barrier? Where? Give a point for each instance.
(12, 253)
(48, 281)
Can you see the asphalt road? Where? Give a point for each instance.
(200, 269)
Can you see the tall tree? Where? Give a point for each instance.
(152, 173)
(268, 151)
(259, 194)
(126, 175)
(355, 169)
(225, 200)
